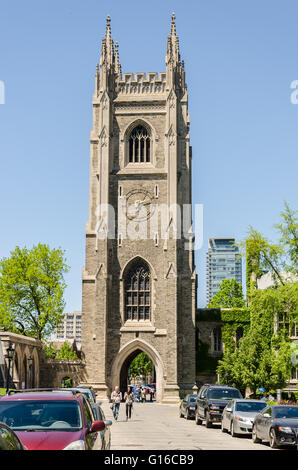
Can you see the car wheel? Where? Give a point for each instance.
(198, 420)
(254, 436)
(272, 439)
(208, 422)
(233, 433)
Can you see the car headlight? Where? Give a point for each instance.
(76, 445)
(285, 429)
(243, 420)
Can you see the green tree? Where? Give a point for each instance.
(141, 365)
(31, 290)
(263, 357)
(229, 295)
(288, 229)
(261, 256)
(66, 352)
(50, 350)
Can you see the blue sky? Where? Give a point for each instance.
(240, 58)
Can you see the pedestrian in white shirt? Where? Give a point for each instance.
(116, 398)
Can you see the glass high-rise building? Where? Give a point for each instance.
(223, 262)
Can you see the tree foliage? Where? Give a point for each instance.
(141, 365)
(263, 357)
(288, 229)
(262, 255)
(31, 290)
(229, 295)
(66, 351)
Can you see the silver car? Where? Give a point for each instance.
(238, 416)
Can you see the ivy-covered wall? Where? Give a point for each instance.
(229, 320)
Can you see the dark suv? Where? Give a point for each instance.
(211, 401)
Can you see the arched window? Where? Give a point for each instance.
(217, 342)
(139, 145)
(137, 293)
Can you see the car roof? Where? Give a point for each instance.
(40, 396)
(248, 400)
(282, 406)
(222, 386)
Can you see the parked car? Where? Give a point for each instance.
(100, 416)
(84, 390)
(53, 420)
(9, 440)
(188, 407)
(238, 416)
(91, 390)
(211, 401)
(277, 424)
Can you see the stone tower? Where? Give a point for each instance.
(139, 280)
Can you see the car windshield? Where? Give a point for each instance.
(223, 393)
(249, 407)
(192, 398)
(285, 412)
(41, 415)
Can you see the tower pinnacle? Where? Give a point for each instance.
(110, 66)
(175, 71)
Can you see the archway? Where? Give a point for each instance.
(125, 356)
(141, 378)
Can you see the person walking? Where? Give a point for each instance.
(128, 397)
(143, 395)
(116, 398)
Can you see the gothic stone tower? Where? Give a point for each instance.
(139, 284)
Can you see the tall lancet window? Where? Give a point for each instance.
(137, 293)
(139, 145)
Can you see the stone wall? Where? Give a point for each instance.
(53, 371)
(22, 373)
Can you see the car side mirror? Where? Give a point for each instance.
(99, 403)
(108, 423)
(98, 426)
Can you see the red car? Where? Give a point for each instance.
(54, 421)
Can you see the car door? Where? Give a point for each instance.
(227, 415)
(266, 423)
(183, 405)
(201, 402)
(93, 439)
(262, 422)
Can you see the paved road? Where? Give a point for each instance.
(155, 426)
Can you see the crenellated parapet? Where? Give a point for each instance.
(142, 83)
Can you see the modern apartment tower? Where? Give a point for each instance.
(71, 328)
(223, 262)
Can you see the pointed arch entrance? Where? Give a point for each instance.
(126, 354)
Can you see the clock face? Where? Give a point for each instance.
(139, 205)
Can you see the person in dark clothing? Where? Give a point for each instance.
(128, 398)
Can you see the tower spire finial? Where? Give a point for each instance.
(173, 25)
(108, 26)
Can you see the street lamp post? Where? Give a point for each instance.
(30, 362)
(9, 355)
